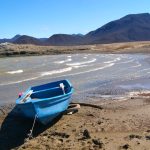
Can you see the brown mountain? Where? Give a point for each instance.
(24, 39)
(65, 39)
(134, 27)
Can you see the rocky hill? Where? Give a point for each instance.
(134, 27)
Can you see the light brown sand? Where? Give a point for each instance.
(118, 125)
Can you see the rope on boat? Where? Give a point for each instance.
(30, 136)
(73, 108)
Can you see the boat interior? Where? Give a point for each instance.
(48, 92)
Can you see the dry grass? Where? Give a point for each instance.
(24, 49)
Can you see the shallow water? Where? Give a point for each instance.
(101, 74)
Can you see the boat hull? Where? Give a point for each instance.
(46, 109)
(46, 112)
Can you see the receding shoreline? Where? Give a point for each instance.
(9, 50)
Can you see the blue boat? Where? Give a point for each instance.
(45, 101)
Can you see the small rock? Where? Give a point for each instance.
(147, 137)
(74, 130)
(99, 122)
(86, 134)
(126, 146)
(138, 143)
(97, 142)
(58, 141)
(45, 134)
(90, 115)
(68, 141)
(132, 136)
(89, 142)
(63, 135)
(102, 129)
(61, 140)
(49, 137)
(24, 147)
(67, 125)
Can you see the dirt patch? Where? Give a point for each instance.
(117, 125)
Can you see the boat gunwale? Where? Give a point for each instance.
(44, 99)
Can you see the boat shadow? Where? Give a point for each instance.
(14, 129)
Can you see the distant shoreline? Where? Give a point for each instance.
(13, 50)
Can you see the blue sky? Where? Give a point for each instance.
(42, 18)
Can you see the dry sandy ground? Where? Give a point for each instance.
(113, 126)
(26, 49)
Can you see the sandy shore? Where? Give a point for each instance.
(115, 125)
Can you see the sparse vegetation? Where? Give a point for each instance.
(27, 50)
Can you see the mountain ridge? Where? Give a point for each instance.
(132, 27)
